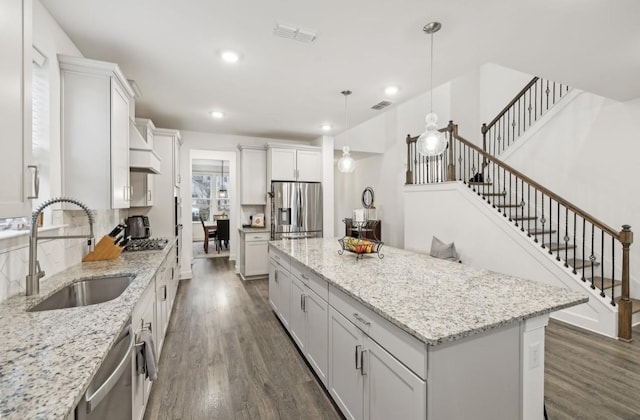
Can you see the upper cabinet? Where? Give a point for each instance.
(142, 183)
(95, 98)
(253, 164)
(15, 109)
(294, 163)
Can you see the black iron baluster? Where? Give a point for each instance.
(535, 100)
(584, 229)
(566, 237)
(547, 92)
(575, 249)
(558, 234)
(510, 198)
(543, 221)
(602, 263)
(592, 257)
(528, 210)
(550, 224)
(523, 204)
(516, 202)
(535, 211)
(518, 120)
(554, 94)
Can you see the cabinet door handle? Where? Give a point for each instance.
(36, 181)
(304, 303)
(362, 359)
(149, 192)
(358, 356)
(361, 319)
(164, 292)
(276, 276)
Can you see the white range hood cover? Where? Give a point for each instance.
(142, 158)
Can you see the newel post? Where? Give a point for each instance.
(624, 304)
(409, 173)
(451, 168)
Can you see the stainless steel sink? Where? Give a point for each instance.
(85, 292)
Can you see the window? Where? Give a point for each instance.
(204, 196)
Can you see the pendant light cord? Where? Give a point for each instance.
(431, 77)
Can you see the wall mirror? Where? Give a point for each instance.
(367, 198)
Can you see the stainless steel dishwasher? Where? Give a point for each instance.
(109, 393)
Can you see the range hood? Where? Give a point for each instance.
(142, 158)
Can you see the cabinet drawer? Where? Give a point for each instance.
(313, 281)
(407, 349)
(256, 236)
(280, 258)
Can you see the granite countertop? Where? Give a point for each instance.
(48, 358)
(434, 300)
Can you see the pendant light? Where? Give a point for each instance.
(222, 192)
(432, 142)
(346, 164)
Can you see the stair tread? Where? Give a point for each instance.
(607, 282)
(582, 263)
(508, 205)
(541, 232)
(635, 304)
(555, 246)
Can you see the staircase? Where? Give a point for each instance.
(591, 251)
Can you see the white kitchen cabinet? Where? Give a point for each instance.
(95, 98)
(308, 325)
(141, 189)
(161, 306)
(299, 163)
(253, 175)
(143, 317)
(254, 254)
(279, 290)
(15, 108)
(366, 381)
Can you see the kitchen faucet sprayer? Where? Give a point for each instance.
(35, 273)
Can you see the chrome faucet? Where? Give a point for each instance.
(35, 273)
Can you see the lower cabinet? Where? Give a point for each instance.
(279, 285)
(308, 325)
(153, 312)
(366, 381)
(254, 254)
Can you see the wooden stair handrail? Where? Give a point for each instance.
(604, 227)
(486, 127)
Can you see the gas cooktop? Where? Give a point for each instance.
(148, 244)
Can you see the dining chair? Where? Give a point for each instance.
(210, 232)
(222, 234)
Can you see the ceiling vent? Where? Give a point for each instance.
(292, 32)
(380, 105)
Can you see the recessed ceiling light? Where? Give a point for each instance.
(217, 115)
(230, 56)
(391, 90)
(326, 127)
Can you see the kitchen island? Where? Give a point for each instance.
(377, 330)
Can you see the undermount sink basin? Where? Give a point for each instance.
(85, 292)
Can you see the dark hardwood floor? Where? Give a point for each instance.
(226, 356)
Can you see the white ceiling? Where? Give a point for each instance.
(287, 89)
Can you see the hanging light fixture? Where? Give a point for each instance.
(432, 142)
(222, 192)
(346, 164)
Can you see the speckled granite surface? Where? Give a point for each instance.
(48, 358)
(436, 301)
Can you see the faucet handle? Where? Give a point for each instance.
(40, 272)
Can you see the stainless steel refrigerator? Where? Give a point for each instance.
(296, 210)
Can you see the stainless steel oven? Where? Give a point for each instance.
(109, 393)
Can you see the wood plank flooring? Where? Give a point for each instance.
(226, 356)
(588, 376)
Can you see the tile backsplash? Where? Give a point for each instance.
(54, 255)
